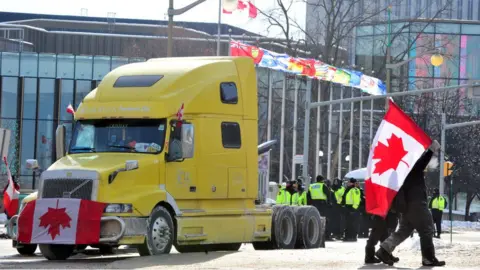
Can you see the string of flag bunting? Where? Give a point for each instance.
(308, 67)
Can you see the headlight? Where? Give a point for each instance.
(118, 208)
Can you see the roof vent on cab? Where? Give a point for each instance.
(137, 81)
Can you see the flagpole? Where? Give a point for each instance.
(219, 27)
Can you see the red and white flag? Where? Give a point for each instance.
(70, 109)
(229, 6)
(60, 221)
(10, 193)
(397, 146)
(180, 116)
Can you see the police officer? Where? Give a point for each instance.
(318, 195)
(436, 205)
(351, 200)
(302, 194)
(288, 195)
(338, 215)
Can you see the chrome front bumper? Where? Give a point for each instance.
(106, 235)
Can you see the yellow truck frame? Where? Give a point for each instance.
(200, 190)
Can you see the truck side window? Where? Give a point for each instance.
(229, 93)
(231, 137)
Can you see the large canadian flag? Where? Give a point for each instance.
(60, 221)
(397, 146)
(10, 194)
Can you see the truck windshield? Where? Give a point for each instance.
(118, 135)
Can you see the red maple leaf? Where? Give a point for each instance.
(55, 217)
(390, 156)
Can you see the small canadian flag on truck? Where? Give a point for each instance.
(70, 109)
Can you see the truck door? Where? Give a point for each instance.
(181, 176)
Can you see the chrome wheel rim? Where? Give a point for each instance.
(160, 234)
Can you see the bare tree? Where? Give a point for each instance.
(326, 36)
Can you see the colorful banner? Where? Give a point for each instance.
(308, 67)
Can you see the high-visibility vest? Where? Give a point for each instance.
(438, 203)
(353, 198)
(302, 198)
(284, 197)
(316, 192)
(339, 194)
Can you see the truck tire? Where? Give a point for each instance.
(308, 227)
(56, 252)
(27, 249)
(160, 233)
(284, 228)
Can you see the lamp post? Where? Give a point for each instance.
(172, 12)
(389, 44)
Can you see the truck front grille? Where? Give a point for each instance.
(55, 188)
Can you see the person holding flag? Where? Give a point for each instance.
(400, 152)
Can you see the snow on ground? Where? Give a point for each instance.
(462, 254)
(461, 225)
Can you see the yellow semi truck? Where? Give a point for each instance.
(194, 184)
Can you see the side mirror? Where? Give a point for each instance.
(130, 165)
(60, 141)
(187, 141)
(31, 164)
(181, 143)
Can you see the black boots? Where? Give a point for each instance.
(384, 256)
(433, 262)
(370, 256)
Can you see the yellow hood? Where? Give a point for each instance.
(103, 162)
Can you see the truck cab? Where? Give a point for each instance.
(171, 146)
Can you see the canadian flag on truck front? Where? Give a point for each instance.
(397, 146)
(60, 221)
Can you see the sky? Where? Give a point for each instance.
(151, 9)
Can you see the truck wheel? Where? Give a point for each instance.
(160, 233)
(308, 227)
(56, 252)
(27, 250)
(270, 244)
(285, 228)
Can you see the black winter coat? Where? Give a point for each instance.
(414, 188)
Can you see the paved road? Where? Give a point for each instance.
(337, 255)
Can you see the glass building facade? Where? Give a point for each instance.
(35, 90)
(460, 42)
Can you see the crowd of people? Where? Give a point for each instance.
(346, 218)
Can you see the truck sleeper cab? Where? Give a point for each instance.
(192, 182)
